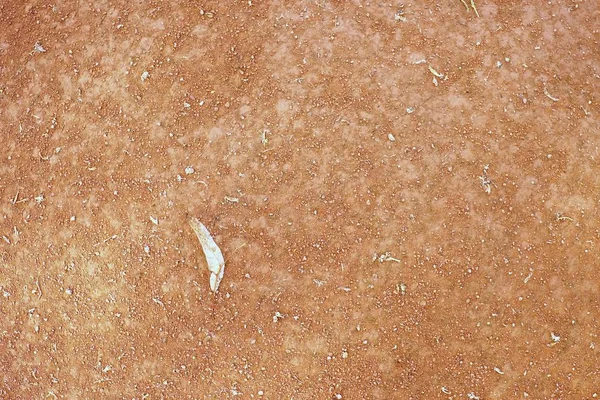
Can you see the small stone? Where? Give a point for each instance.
(277, 316)
(399, 16)
(37, 47)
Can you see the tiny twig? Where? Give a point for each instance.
(586, 112)
(158, 301)
(105, 240)
(239, 247)
(528, 277)
(474, 8)
(263, 137)
(560, 217)
(465, 4)
(268, 150)
(548, 95)
(434, 72)
(37, 284)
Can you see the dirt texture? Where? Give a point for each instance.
(406, 197)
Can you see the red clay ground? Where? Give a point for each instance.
(308, 137)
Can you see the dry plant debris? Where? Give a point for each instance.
(384, 257)
(486, 183)
(212, 252)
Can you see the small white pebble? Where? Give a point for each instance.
(39, 48)
(277, 316)
(147, 249)
(72, 218)
(186, 104)
(260, 392)
(338, 396)
(189, 170)
(145, 75)
(69, 291)
(391, 137)
(399, 16)
(555, 337)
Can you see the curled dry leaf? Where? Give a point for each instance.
(214, 257)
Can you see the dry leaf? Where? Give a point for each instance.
(214, 257)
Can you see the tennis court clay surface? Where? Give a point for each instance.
(405, 195)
